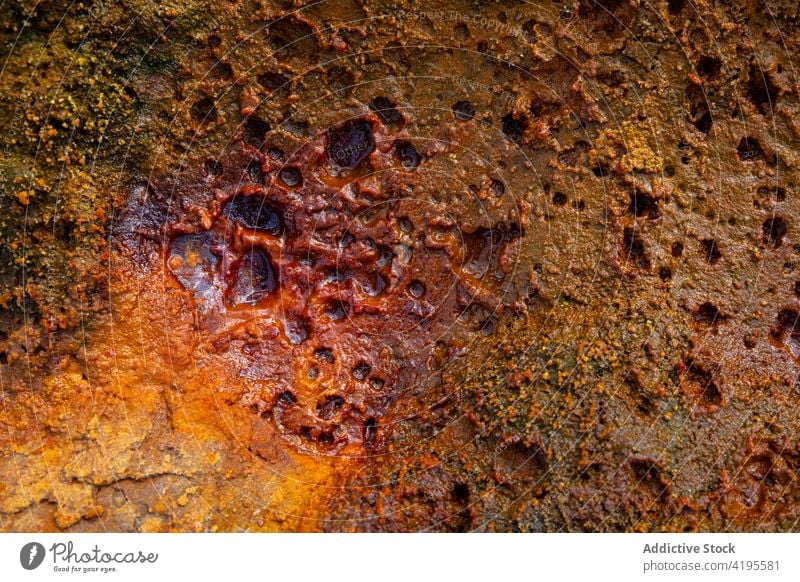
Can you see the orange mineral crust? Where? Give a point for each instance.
(370, 266)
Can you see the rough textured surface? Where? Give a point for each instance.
(369, 266)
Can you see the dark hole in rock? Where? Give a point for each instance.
(361, 370)
(273, 81)
(255, 279)
(286, 398)
(708, 314)
(463, 110)
(386, 110)
(337, 310)
(325, 438)
(293, 38)
(643, 204)
(514, 127)
(634, 249)
(529, 29)
(699, 114)
(346, 240)
(213, 167)
(677, 249)
(703, 121)
(328, 408)
(709, 67)
(761, 91)
(498, 188)
(417, 289)
(385, 256)
(773, 230)
(675, 6)
(788, 323)
(376, 286)
(483, 247)
(460, 493)
(700, 385)
(204, 110)
(749, 150)
(255, 130)
(648, 475)
(254, 171)
(349, 144)
(291, 177)
(559, 199)
(222, 70)
(370, 432)
(409, 158)
(324, 355)
(253, 212)
(711, 250)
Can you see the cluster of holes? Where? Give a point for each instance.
(349, 144)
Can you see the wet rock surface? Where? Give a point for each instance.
(533, 268)
(367, 268)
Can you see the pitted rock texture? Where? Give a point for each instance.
(333, 278)
(380, 266)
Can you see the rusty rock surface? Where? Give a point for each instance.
(381, 266)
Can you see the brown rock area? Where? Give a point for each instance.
(380, 266)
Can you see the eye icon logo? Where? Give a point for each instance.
(31, 555)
